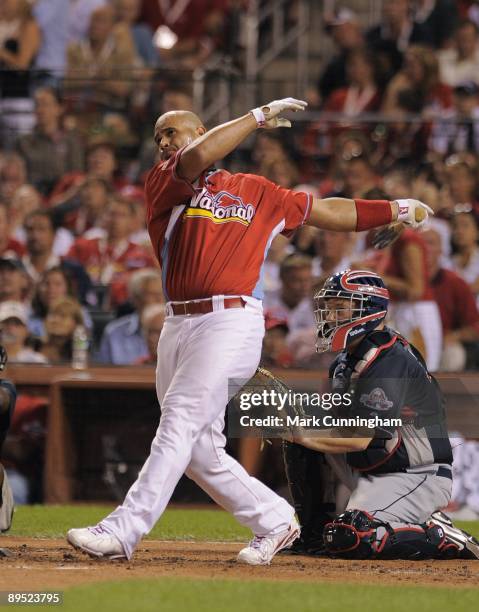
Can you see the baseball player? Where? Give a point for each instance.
(387, 482)
(8, 396)
(211, 231)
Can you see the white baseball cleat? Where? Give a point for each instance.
(262, 549)
(96, 542)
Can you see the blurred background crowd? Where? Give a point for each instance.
(393, 92)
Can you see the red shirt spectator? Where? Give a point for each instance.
(457, 304)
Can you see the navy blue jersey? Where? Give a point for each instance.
(388, 378)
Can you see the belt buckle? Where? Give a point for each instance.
(186, 314)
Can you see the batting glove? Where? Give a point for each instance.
(413, 212)
(268, 116)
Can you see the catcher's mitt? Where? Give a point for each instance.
(264, 380)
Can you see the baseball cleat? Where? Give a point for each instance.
(468, 545)
(262, 549)
(96, 542)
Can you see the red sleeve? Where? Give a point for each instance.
(297, 208)
(164, 189)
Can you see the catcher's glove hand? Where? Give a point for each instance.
(268, 116)
(263, 380)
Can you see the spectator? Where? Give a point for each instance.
(438, 19)
(52, 17)
(390, 39)
(40, 239)
(55, 284)
(101, 163)
(79, 17)
(461, 186)
(109, 260)
(359, 177)
(275, 351)
(9, 247)
(123, 341)
(348, 37)
(127, 12)
(293, 301)
(50, 151)
(457, 131)
(100, 69)
(19, 44)
(14, 334)
(152, 320)
(333, 254)
(418, 78)
(360, 93)
(460, 63)
(83, 213)
(13, 175)
(62, 319)
(186, 32)
(465, 258)
(457, 307)
(413, 311)
(15, 283)
(25, 200)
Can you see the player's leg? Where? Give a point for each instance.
(251, 502)
(210, 350)
(389, 516)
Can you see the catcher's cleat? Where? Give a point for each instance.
(96, 542)
(468, 546)
(262, 549)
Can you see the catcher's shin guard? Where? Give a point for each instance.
(355, 534)
(305, 474)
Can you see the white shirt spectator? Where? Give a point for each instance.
(454, 71)
(299, 317)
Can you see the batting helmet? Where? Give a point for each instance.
(368, 306)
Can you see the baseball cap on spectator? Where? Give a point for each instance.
(272, 322)
(13, 310)
(133, 193)
(340, 17)
(469, 88)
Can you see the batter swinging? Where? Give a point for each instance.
(211, 231)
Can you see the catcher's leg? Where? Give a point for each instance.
(312, 485)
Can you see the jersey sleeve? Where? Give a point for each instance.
(164, 188)
(296, 207)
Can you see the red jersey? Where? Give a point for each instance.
(107, 265)
(213, 239)
(457, 304)
(409, 236)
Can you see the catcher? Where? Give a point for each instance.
(7, 403)
(387, 484)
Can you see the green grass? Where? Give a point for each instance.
(213, 525)
(216, 595)
(54, 522)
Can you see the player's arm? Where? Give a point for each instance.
(345, 215)
(221, 140)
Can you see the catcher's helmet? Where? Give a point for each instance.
(368, 306)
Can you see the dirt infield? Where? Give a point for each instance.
(39, 564)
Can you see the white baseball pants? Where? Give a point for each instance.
(196, 357)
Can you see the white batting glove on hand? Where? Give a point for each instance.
(268, 116)
(413, 212)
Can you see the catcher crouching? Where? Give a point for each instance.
(374, 493)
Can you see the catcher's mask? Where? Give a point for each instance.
(368, 303)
